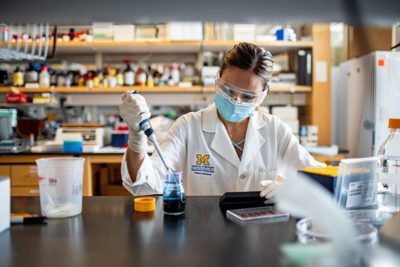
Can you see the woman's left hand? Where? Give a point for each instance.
(269, 188)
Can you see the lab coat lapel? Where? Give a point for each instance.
(223, 146)
(254, 139)
(220, 143)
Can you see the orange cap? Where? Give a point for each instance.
(394, 123)
(145, 204)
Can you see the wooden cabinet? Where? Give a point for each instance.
(22, 171)
(5, 170)
(23, 191)
(24, 179)
(24, 175)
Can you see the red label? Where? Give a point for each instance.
(381, 62)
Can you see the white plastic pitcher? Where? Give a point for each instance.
(60, 185)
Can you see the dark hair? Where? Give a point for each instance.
(249, 57)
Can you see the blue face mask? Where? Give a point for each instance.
(231, 111)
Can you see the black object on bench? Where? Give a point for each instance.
(241, 200)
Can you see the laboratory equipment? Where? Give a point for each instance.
(307, 232)
(257, 215)
(325, 176)
(241, 200)
(93, 136)
(27, 127)
(6, 116)
(375, 217)
(27, 42)
(148, 130)
(367, 96)
(28, 220)
(174, 195)
(356, 184)
(389, 169)
(119, 138)
(73, 144)
(60, 186)
(318, 205)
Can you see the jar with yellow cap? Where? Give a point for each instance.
(389, 173)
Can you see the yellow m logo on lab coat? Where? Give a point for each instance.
(202, 160)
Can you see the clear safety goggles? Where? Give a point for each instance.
(237, 94)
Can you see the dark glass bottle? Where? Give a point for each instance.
(129, 75)
(174, 194)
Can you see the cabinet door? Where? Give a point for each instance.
(24, 175)
(5, 170)
(24, 191)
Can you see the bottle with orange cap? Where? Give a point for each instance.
(389, 174)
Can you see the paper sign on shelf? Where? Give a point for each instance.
(321, 71)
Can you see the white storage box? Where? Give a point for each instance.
(124, 33)
(244, 32)
(185, 31)
(4, 203)
(103, 31)
(287, 113)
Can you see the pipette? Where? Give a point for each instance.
(148, 130)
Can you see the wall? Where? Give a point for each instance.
(359, 41)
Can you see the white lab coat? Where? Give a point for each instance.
(199, 146)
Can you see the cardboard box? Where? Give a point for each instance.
(4, 203)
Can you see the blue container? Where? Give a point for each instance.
(280, 34)
(119, 139)
(72, 146)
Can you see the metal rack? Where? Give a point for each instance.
(27, 42)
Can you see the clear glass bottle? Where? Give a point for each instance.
(389, 171)
(31, 75)
(174, 195)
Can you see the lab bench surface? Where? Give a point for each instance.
(110, 233)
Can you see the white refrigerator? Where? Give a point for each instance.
(367, 93)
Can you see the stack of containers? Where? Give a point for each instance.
(356, 183)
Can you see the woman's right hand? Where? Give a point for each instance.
(133, 110)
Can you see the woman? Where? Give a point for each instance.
(228, 146)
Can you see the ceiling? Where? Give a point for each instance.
(74, 12)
